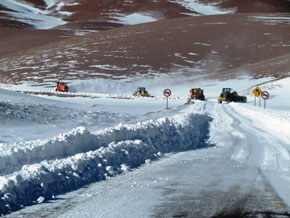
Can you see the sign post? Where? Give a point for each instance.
(167, 93)
(265, 95)
(257, 92)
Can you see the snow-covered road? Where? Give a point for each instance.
(246, 173)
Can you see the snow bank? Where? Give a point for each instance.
(279, 93)
(273, 121)
(278, 89)
(79, 157)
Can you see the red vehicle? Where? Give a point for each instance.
(197, 94)
(61, 87)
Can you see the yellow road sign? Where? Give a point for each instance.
(257, 91)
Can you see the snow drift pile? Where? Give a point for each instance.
(35, 171)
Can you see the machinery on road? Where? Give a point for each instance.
(61, 87)
(228, 95)
(196, 94)
(141, 91)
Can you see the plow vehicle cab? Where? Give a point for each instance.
(229, 95)
(195, 94)
(61, 87)
(141, 91)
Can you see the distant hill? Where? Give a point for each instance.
(91, 15)
(221, 40)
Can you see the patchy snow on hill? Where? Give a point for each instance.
(135, 18)
(201, 8)
(27, 13)
(53, 14)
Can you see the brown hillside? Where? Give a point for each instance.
(206, 45)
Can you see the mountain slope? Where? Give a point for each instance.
(92, 15)
(204, 45)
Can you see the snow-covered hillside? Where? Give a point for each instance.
(33, 15)
(53, 13)
(81, 15)
(100, 151)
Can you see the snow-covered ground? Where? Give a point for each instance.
(98, 151)
(51, 145)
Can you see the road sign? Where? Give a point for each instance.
(257, 91)
(167, 92)
(265, 95)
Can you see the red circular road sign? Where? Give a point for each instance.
(265, 95)
(167, 92)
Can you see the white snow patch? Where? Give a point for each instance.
(29, 14)
(135, 18)
(201, 8)
(108, 67)
(273, 19)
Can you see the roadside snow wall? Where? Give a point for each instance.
(39, 170)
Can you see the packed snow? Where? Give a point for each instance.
(44, 168)
(67, 162)
(51, 145)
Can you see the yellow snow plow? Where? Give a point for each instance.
(141, 91)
